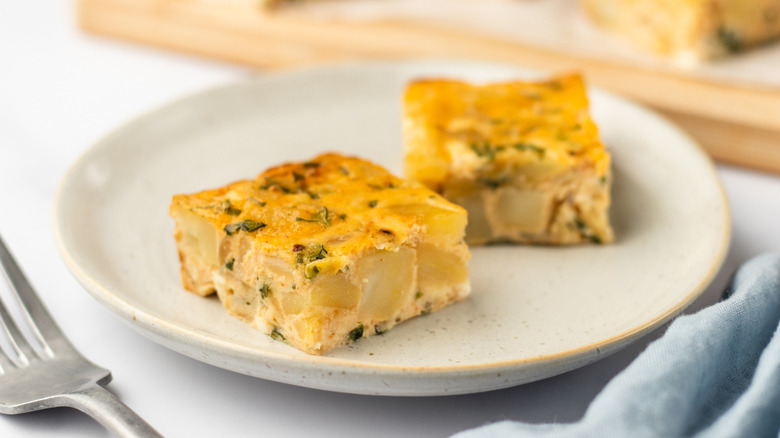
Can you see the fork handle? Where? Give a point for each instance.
(102, 405)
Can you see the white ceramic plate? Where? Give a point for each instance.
(534, 312)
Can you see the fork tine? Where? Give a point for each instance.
(22, 349)
(5, 360)
(5, 363)
(41, 323)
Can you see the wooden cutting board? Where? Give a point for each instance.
(736, 123)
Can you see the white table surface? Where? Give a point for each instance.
(60, 91)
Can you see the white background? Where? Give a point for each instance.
(60, 91)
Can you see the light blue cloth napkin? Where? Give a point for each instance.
(715, 373)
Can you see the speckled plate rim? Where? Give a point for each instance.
(395, 380)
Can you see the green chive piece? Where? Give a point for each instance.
(486, 150)
(729, 40)
(585, 232)
(319, 217)
(277, 335)
(493, 183)
(246, 225)
(530, 147)
(265, 289)
(356, 333)
(311, 271)
(228, 208)
(318, 253)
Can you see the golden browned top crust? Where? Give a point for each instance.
(341, 205)
(453, 127)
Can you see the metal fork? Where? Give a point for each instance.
(46, 371)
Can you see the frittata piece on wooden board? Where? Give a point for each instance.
(321, 253)
(262, 5)
(689, 31)
(524, 158)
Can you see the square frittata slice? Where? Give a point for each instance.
(322, 253)
(689, 31)
(524, 158)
